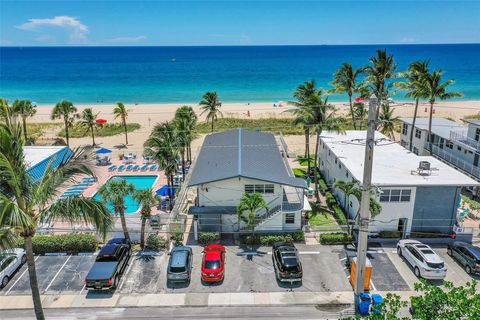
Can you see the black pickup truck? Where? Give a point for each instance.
(111, 262)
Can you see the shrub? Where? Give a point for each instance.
(340, 215)
(208, 237)
(330, 199)
(269, 239)
(323, 186)
(69, 243)
(390, 234)
(156, 242)
(335, 238)
(177, 236)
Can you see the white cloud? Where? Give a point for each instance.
(77, 31)
(5, 42)
(408, 39)
(127, 39)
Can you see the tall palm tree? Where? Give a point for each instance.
(114, 192)
(381, 69)
(361, 114)
(66, 110)
(7, 113)
(388, 121)
(182, 126)
(163, 146)
(25, 109)
(434, 88)
(414, 87)
(211, 106)
(345, 81)
(250, 203)
(348, 188)
(186, 112)
(147, 200)
(120, 111)
(88, 120)
(25, 203)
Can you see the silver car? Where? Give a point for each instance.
(424, 261)
(10, 261)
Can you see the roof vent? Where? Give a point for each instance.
(424, 165)
(424, 169)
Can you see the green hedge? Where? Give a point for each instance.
(208, 237)
(323, 186)
(269, 239)
(335, 238)
(156, 242)
(390, 234)
(69, 243)
(330, 199)
(340, 215)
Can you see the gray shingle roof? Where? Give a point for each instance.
(242, 153)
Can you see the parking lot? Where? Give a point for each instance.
(324, 269)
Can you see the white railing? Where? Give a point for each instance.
(463, 139)
(455, 161)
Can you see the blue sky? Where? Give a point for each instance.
(231, 22)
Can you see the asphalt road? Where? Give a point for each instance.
(258, 313)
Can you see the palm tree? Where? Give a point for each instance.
(211, 105)
(250, 203)
(348, 188)
(120, 111)
(114, 192)
(66, 110)
(361, 114)
(188, 113)
(414, 86)
(25, 109)
(7, 113)
(433, 89)
(182, 126)
(88, 121)
(163, 146)
(147, 200)
(25, 203)
(381, 69)
(388, 121)
(345, 81)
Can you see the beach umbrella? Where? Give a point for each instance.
(359, 99)
(103, 150)
(101, 121)
(164, 192)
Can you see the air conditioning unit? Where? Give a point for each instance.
(424, 165)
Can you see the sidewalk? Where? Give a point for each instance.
(181, 299)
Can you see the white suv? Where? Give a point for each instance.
(10, 261)
(424, 261)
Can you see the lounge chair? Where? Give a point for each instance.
(121, 168)
(129, 167)
(136, 167)
(153, 167)
(112, 168)
(83, 184)
(89, 179)
(75, 189)
(144, 167)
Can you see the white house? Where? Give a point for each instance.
(417, 193)
(237, 161)
(455, 144)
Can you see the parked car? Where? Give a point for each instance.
(10, 261)
(466, 254)
(286, 262)
(213, 263)
(424, 261)
(118, 241)
(180, 264)
(111, 262)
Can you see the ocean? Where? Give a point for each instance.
(183, 74)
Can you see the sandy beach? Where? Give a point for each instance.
(149, 114)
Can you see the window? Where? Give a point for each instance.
(477, 134)
(418, 134)
(404, 128)
(335, 161)
(289, 218)
(347, 174)
(395, 195)
(459, 148)
(415, 150)
(449, 144)
(269, 188)
(249, 188)
(260, 188)
(339, 166)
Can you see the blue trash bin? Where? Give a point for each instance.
(377, 300)
(364, 304)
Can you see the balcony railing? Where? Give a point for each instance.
(462, 138)
(455, 161)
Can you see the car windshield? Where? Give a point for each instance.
(106, 259)
(438, 265)
(177, 269)
(212, 264)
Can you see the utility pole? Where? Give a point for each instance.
(365, 201)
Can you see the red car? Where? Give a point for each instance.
(213, 263)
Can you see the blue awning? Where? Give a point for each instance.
(38, 170)
(164, 192)
(103, 150)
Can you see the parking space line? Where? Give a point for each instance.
(303, 252)
(373, 286)
(126, 272)
(16, 281)
(58, 272)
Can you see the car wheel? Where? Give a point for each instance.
(4, 282)
(417, 272)
(449, 252)
(399, 251)
(468, 269)
(24, 259)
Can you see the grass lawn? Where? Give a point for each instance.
(299, 172)
(35, 130)
(321, 217)
(110, 129)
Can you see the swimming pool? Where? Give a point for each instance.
(140, 182)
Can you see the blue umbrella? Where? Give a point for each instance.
(163, 191)
(103, 150)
